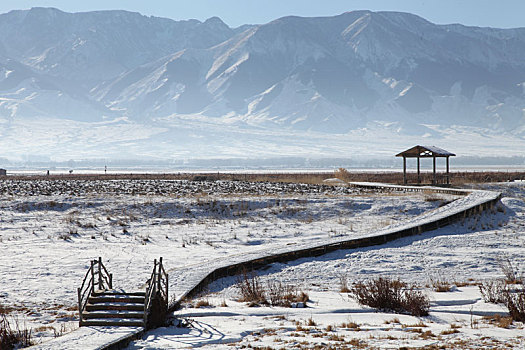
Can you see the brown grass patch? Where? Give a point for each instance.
(499, 320)
(351, 325)
(202, 303)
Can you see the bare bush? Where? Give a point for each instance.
(492, 291)
(13, 337)
(251, 289)
(391, 295)
(272, 293)
(510, 295)
(510, 271)
(515, 302)
(343, 282)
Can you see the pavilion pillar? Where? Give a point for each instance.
(434, 180)
(448, 171)
(418, 172)
(404, 170)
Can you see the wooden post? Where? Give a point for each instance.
(404, 170)
(160, 275)
(448, 172)
(418, 172)
(434, 163)
(99, 273)
(79, 292)
(92, 276)
(154, 273)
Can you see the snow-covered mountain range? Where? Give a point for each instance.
(118, 83)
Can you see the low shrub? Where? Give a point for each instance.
(272, 293)
(251, 289)
(492, 291)
(13, 337)
(391, 295)
(441, 285)
(512, 275)
(510, 295)
(514, 300)
(343, 281)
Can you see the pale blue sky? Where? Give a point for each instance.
(491, 13)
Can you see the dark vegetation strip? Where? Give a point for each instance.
(457, 178)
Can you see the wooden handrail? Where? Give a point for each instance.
(103, 280)
(98, 278)
(156, 286)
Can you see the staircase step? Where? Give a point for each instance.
(118, 293)
(113, 322)
(110, 314)
(115, 299)
(115, 306)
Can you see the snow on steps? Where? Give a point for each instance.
(191, 279)
(115, 308)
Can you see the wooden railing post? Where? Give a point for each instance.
(79, 292)
(160, 276)
(93, 276)
(155, 275)
(99, 273)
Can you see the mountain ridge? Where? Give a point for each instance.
(357, 72)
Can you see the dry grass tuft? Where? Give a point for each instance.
(499, 320)
(449, 331)
(343, 281)
(351, 325)
(394, 320)
(202, 303)
(342, 174)
(441, 285)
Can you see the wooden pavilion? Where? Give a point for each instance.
(425, 152)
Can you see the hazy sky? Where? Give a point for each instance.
(491, 13)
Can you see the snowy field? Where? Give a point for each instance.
(460, 255)
(51, 229)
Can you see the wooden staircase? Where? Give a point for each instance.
(114, 308)
(100, 305)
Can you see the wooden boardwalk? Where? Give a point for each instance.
(189, 280)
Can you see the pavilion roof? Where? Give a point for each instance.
(425, 151)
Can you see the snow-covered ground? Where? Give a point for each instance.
(49, 231)
(461, 255)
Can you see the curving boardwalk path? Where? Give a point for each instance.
(189, 280)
